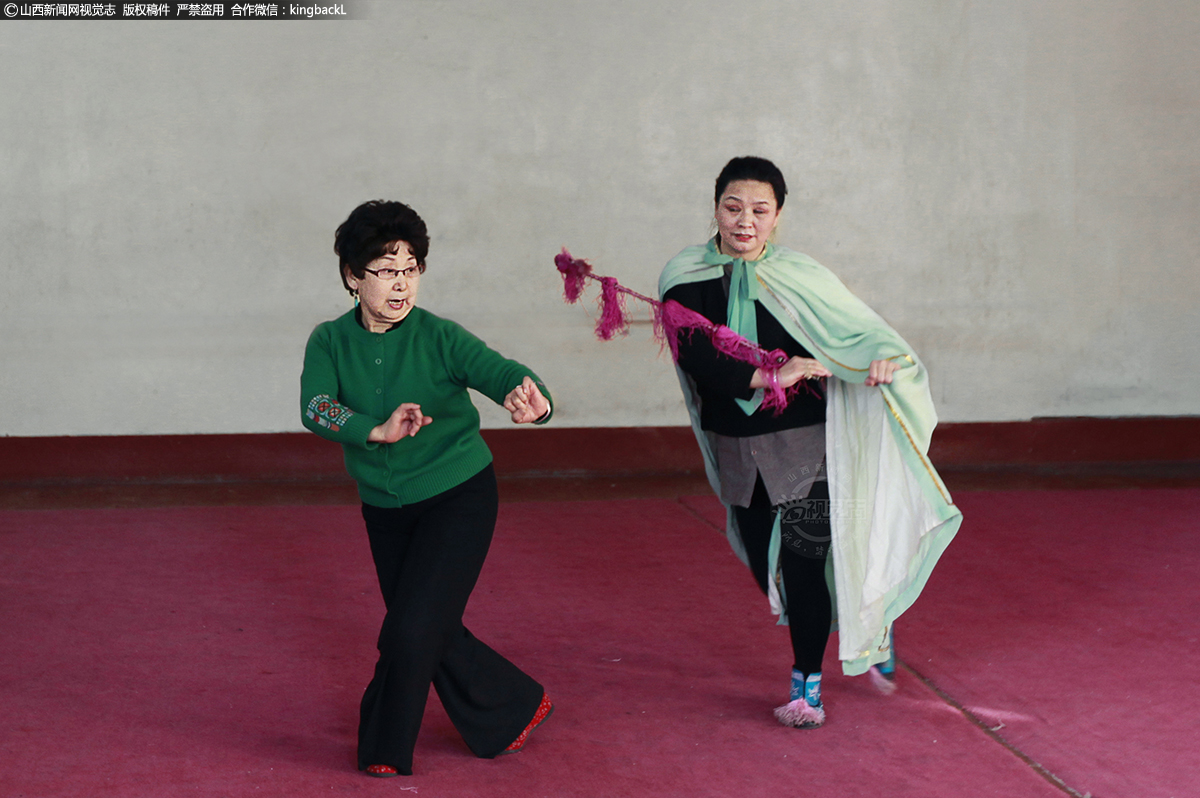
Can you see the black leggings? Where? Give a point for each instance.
(428, 556)
(802, 557)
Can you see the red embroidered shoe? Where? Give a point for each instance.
(382, 771)
(544, 710)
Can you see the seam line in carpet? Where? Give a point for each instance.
(996, 737)
(698, 516)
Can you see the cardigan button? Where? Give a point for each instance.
(378, 360)
(378, 390)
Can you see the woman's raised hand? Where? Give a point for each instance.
(405, 421)
(526, 402)
(881, 371)
(791, 372)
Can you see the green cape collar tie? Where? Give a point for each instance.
(743, 291)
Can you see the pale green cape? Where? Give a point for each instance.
(891, 515)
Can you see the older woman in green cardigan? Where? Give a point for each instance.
(388, 381)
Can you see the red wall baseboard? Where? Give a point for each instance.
(1043, 441)
(619, 451)
(302, 456)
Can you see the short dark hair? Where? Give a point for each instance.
(371, 230)
(750, 167)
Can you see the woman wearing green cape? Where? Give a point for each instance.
(831, 500)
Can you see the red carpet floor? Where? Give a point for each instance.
(221, 651)
(1070, 619)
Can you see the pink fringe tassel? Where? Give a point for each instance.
(671, 320)
(574, 273)
(612, 311)
(675, 318)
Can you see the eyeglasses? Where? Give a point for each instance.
(409, 273)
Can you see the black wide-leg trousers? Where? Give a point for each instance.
(802, 556)
(428, 556)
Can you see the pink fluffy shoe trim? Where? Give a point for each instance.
(881, 682)
(800, 715)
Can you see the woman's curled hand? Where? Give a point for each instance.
(405, 421)
(881, 371)
(526, 402)
(791, 372)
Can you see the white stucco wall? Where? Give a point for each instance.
(1015, 186)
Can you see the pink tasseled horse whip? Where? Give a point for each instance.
(671, 319)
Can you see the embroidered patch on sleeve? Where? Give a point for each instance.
(328, 413)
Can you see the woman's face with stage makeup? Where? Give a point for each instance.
(746, 216)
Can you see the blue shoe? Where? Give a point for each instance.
(800, 714)
(883, 675)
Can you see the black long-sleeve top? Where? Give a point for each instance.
(720, 379)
